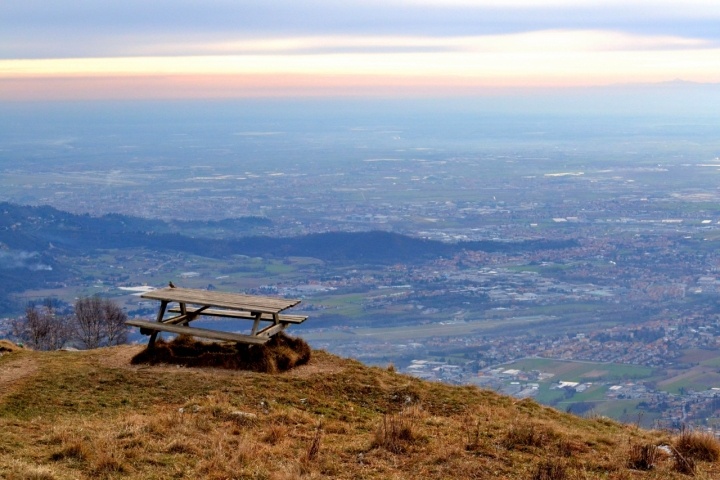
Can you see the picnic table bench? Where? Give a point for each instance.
(194, 303)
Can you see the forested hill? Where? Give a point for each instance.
(33, 240)
(37, 229)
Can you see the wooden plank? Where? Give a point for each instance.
(186, 316)
(220, 299)
(199, 332)
(214, 312)
(271, 330)
(237, 301)
(160, 315)
(256, 323)
(183, 312)
(208, 297)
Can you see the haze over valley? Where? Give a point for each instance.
(426, 238)
(468, 242)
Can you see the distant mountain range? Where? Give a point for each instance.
(33, 238)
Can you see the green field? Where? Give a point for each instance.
(698, 378)
(600, 376)
(595, 393)
(436, 328)
(584, 371)
(700, 373)
(549, 396)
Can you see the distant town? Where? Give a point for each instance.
(598, 253)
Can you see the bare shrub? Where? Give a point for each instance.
(697, 445)
(100, 322)
(42, 328)
(643, 457)
(96, 322)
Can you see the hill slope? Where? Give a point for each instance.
(91, 414)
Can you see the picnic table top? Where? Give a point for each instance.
(235, 301)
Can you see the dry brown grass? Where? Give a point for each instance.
(276, 433)
(398, 431)
(696, 445)
(279, 354)
(686, 466)
(524, 434)
(314, 446)
(18, 470)
(551, 469)
(643, 457)
(83, 415)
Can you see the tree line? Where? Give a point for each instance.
(95, 322)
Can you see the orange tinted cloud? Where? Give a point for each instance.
(232, 86)
(355, 66)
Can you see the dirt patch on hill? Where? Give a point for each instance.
(15, 371)
(320, 364)
(118, 357)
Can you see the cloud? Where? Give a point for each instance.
(669, 6)
(366, 43)
(107, 28)
(550, 54)
(10, 259)
(551, 40)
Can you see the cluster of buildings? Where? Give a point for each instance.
(639, 286)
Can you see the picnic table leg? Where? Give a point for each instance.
(183, 311)
(161, 314)
(256, 323)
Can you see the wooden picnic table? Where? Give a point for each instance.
(194, 303)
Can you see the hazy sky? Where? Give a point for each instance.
(217, 48)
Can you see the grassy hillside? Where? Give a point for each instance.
(91, 414)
